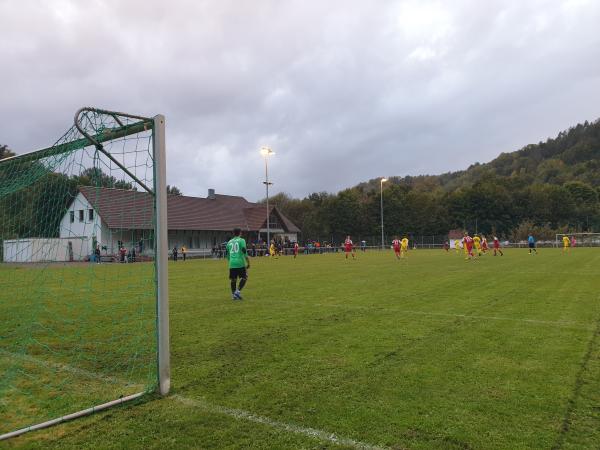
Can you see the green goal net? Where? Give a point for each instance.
(80, 256)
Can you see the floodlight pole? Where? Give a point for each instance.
(265, 151)
(383, 180)
(162, 255)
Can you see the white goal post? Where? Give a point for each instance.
(125, 126)
(162, 255)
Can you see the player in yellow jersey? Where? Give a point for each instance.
(404, 247)
(477, 244)
(566, 243)
(457, 245)
(273, 250)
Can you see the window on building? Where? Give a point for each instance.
(90, 215)
(81, 215)
(274, 221)
(72, 216)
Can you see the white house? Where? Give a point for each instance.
(110, 217)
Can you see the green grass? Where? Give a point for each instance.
(430, 352)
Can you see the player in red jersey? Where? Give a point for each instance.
(295, 249)
(497, 246)
(396, 245)
(468, 246)
(484, 244)
(349, 247)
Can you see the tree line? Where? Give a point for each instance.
(545, 188)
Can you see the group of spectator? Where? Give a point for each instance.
(286, 247)
(311, 247)
(128, 255)
(123, 255)
(175, 253)
(260, 247)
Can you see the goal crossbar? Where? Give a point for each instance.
(106, 135)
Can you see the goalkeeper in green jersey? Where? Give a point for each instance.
(238, 263)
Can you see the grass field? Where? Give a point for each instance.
(429, 352)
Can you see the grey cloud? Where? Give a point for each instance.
(343, 91)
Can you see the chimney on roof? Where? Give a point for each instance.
(211, 194)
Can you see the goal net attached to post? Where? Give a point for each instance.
(83, 275)
(581, 239)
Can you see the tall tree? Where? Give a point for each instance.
(173, 190)
(5, 152)
(94, 176)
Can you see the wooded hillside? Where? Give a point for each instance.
(545, 188)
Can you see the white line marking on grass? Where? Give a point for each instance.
(238, 414)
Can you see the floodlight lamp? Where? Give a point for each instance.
(266, 151)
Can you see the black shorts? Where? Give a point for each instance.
(240, 272)
(532, 245)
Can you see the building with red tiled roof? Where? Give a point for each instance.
(455, 236)
(110, 216)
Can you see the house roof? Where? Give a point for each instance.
(129, 209)
(455, 234)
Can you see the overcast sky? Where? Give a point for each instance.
(343, 91)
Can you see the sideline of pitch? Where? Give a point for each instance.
(238, 414)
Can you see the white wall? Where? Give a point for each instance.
(46, 249)
(452, 243)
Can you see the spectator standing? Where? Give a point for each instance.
(97, 253)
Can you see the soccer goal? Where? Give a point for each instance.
(581, 239)
(83, 276)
